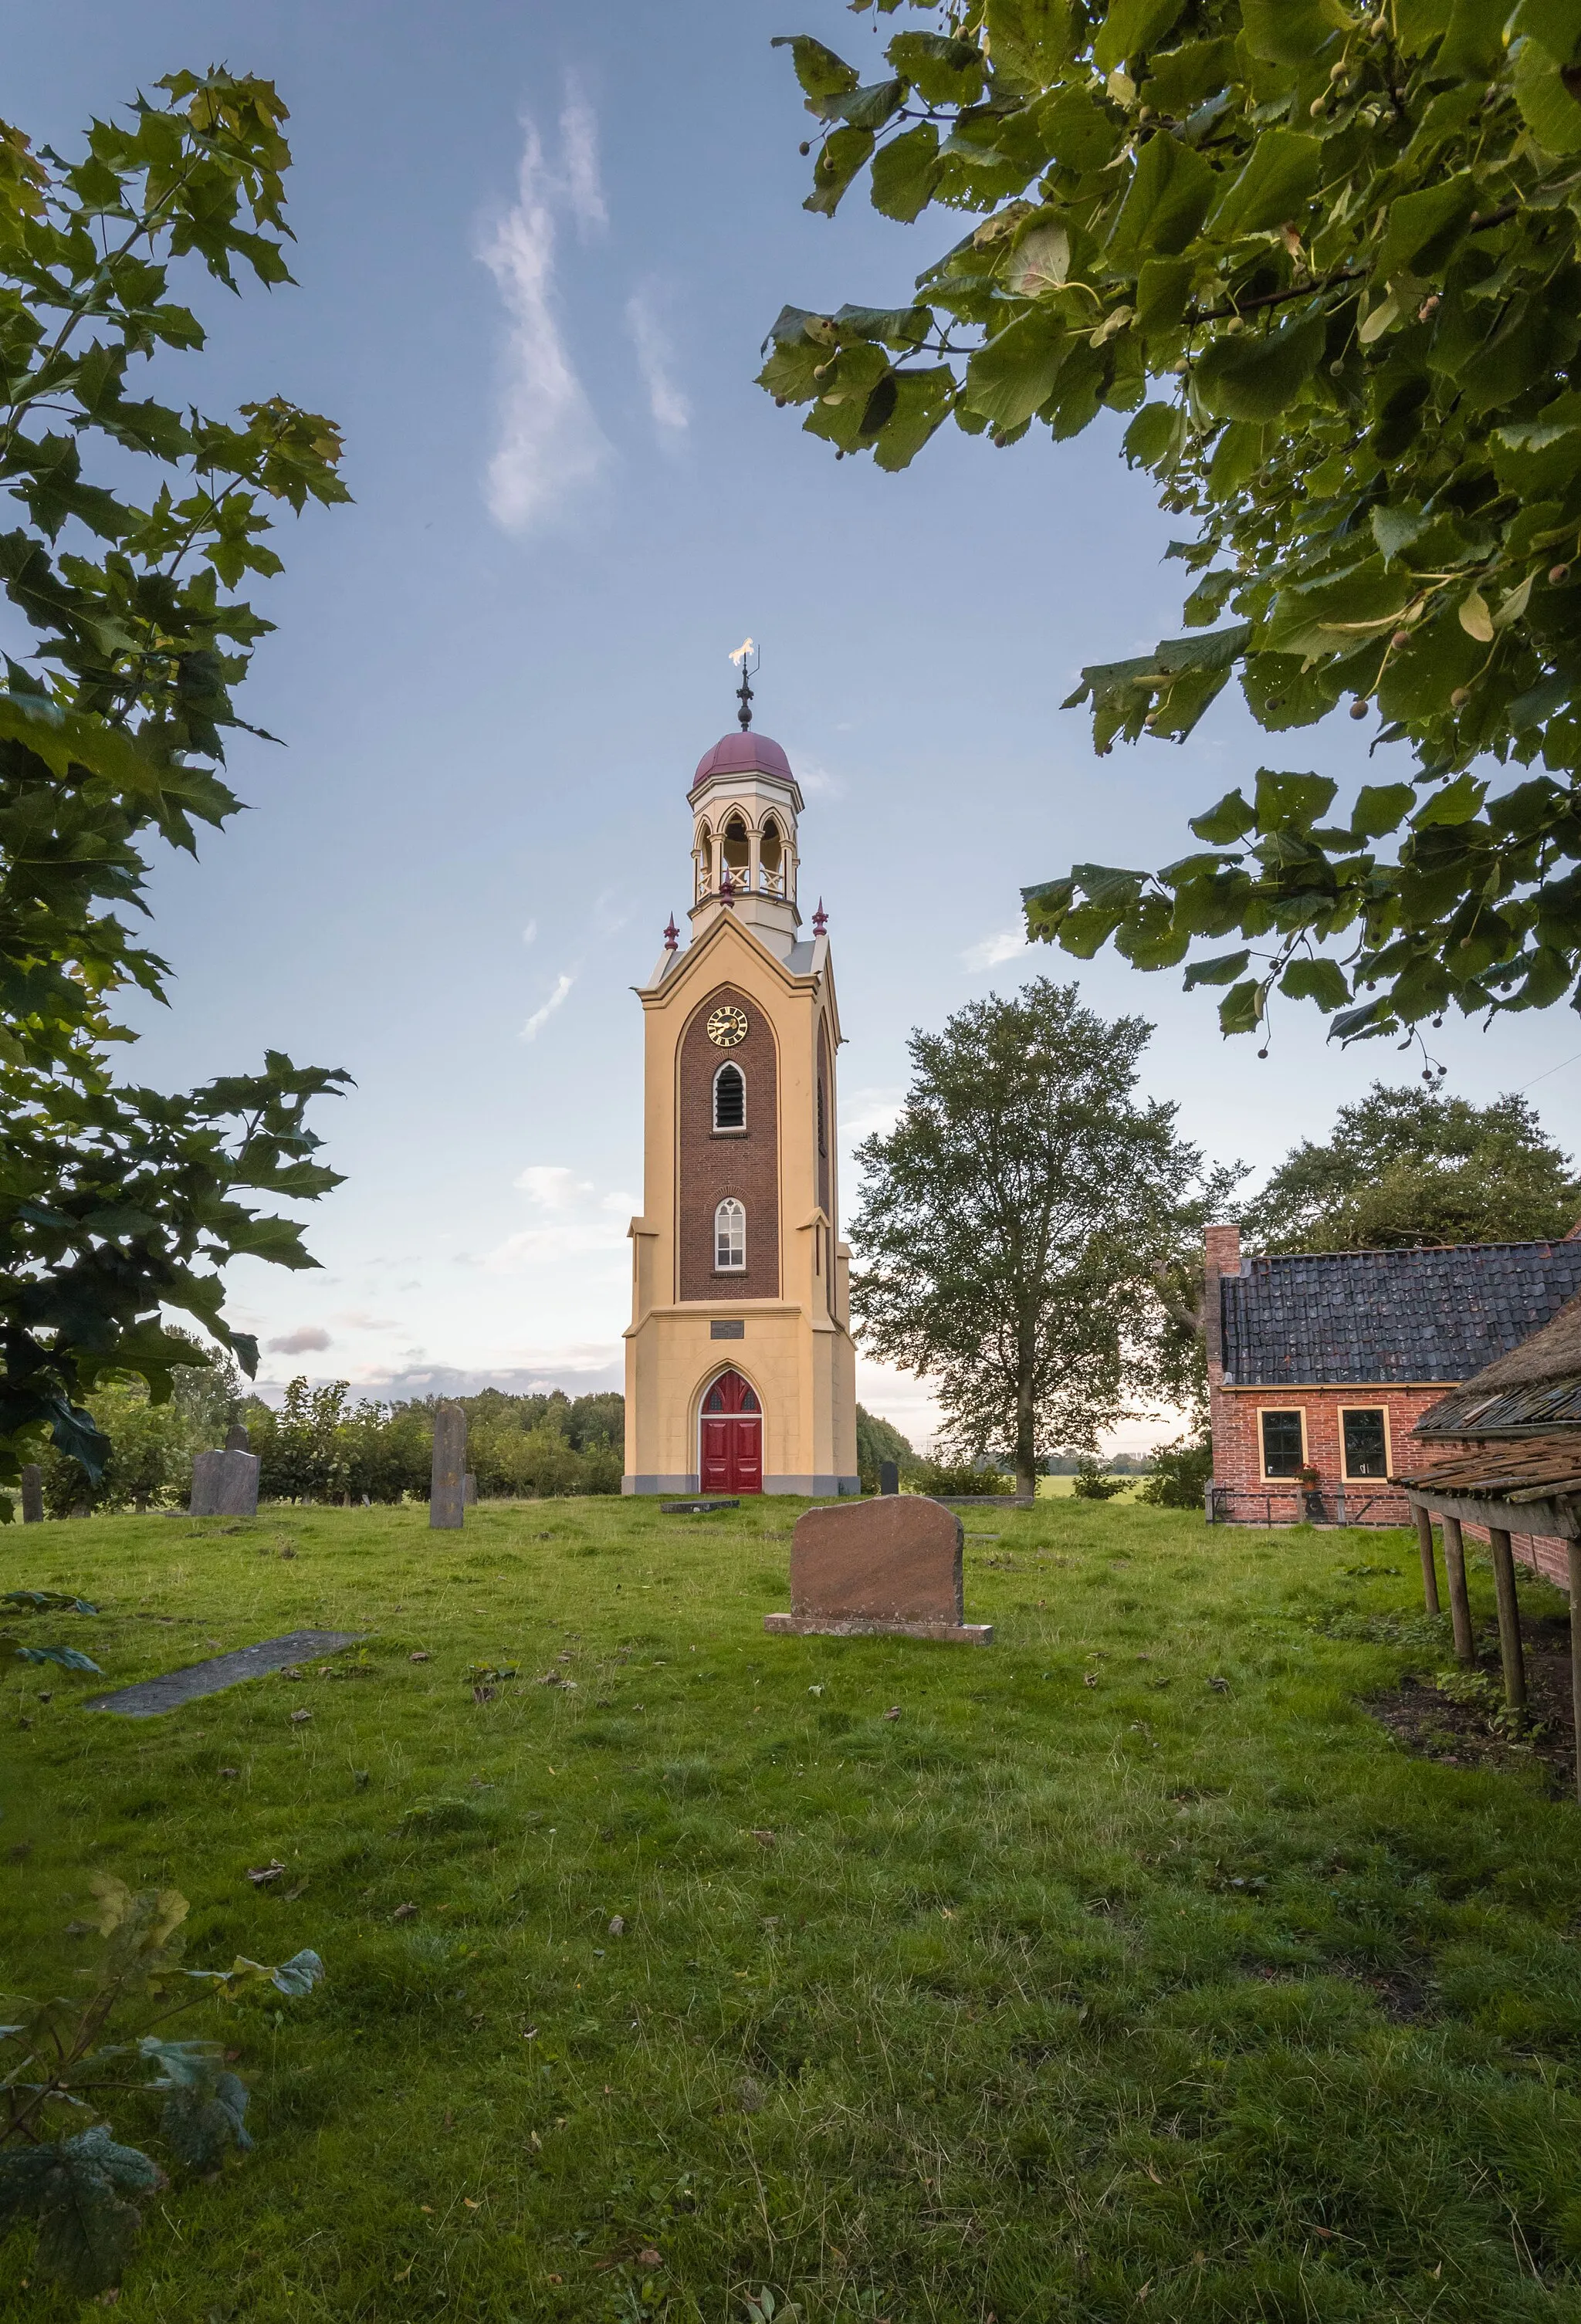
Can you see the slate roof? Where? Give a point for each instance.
(1384, 1316)
(1532, 1390)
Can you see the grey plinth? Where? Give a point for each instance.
(224, 1485)
(32, 1494)
(446, 1497)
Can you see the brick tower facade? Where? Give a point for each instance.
(740, 1369)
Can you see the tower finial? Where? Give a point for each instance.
(746, 659)
(671, 934)
(820, 919)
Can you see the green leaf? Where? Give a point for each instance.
(1241, 1010)
(1157, 437)
(299, 1975)
(1456, 802)
(842, 154)
(923, 402)
(1291, 32)
(1316, 979)
(1163, 286)
(1164, 204)
(1556, 24)
(1291, 802)
(1380, 808)
(1258, 375)
(1396, 529)
(818, 70)
(1473, 44)
(1223, 970)
(87, 2227)
(1231, 819)
(1030, 39)
(1131, 26)
(1275, 186)
(65, 1657)
(941, 69)
(1010, 378)
(1546, 107)
(1425, 229)
(905, 172)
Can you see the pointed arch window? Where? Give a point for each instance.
(771, 860)
(730, 1098)
(730, 1237)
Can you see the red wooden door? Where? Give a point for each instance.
(732, 1438)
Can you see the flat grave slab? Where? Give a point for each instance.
(153, 1695)
(876, 1568)
(694, 1509)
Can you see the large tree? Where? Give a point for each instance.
(1014, 1221)
(1336, 247)
(1410, 1166)
(116, 1202)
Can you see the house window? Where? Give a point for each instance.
(1285, 1443)
(730, 1236)
(730, 1098)
(1365, 1433)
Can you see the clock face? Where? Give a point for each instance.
(727, 1027)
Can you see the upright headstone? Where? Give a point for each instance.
(890, 1566)
(888, 1476)
(224, 1485)
(238, 1439)
(469, 1489)
(447, 1496)
(32, 1494)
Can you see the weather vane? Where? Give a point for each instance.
(747, 659)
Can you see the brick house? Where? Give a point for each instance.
(1321, 1365)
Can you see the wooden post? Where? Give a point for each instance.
(1573, 1557)
(1429, 1571)
(1510, 1653)
(1459, 1602)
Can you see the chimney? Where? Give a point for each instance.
(1221, 1255)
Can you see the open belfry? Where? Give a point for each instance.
(740, 1371)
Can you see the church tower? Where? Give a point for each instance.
(740, 1371)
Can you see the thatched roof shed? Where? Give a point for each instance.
(1532, 1391)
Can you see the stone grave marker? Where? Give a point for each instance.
(223, 1485)
(888, 1476)
(447, 1496)
(885, 1567)
(199, 1679)
(469, 1489)
(32, 1494)
(237, 1440)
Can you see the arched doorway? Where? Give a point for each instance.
(731, 1437)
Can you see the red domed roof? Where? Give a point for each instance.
(744, 754)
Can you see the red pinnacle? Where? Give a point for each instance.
(727, 890)
(671, 934)
(820, 919)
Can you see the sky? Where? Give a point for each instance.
(537, 250)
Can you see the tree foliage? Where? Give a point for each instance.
(318, 1446)
(68, 2175)
(137, 522)
(1012, 1223)
(878, 1440)
(1326, 257)
(1404, 1166)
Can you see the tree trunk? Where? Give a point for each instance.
(1026, 1479)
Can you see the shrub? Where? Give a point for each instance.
(1181, 1473)
(1094, 1484)
(947, 1481)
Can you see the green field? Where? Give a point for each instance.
(1132, 1971)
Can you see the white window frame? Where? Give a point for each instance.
(730, 1245)
(1388, 1445)
(734, 1129)
(1261, 1453)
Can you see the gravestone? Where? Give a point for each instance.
(890, 1567)
(447, 1496)
(32, 1494)
(223, 1485)
(469, 1489)
(888, 1476)
(238, 1439)
(168, 1694)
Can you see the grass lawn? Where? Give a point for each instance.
(1132, 1971)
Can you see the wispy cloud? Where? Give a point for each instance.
(530, 933)
(579, 1219)
(298, 1342)
(540, 1017)
(656, 362)
(579, 152)
(995, 950)
(549, 443)
(816, 781)
(553, 1186)
(358, 1319)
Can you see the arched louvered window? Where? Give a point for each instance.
(730, 1236)
(730, 1098)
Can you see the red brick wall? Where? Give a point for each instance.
(1237, 1449)
(713, 1165)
